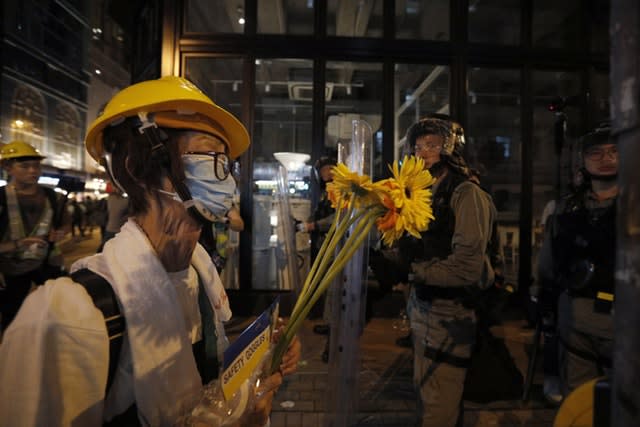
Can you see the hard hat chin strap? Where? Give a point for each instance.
(157, 140)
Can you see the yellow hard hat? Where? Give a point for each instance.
(19, 149)
(176, 103)
(577, 408)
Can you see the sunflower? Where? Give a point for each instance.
(408, 189)
(387, 223)
(345, 184)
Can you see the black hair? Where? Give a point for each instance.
(138, 168)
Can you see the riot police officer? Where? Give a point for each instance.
(577, 263)
(451, 263)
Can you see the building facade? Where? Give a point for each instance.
(43, 81)
(298, 71)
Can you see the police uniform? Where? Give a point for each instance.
(452, 265)
(577, 258)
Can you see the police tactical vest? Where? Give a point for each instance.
(584, 247)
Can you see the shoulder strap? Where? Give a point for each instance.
(104, 299)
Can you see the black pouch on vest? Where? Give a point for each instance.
(603, 302)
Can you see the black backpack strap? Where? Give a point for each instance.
(105, 300)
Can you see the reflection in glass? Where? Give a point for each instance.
(494, 149)
(283, 114)
(551, 162)
(599, 27)
(214, 16)
(361, 18)
(285, 17)
(356, 93)
(422, 20)
(495, 21)
(558, 24)
(217, 77)
(420, 89)
(599, 96)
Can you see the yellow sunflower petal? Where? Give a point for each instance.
(408, 189)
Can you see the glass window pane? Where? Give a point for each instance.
(422, 20)
(495, 21)
(599, 97)
(354, 91)
(558, 24)
(361, 18)
(218, 78)
(549, 87)
(214, 16)
(494, 148)
(599, 27)
(283, 115)
(420, 89)
(285, 17)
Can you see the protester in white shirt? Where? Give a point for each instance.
(168, 147)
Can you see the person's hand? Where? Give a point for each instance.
(236, 223)
(56, 235)
(30, 241)
(289, 363)
(306, 227)
(264, 399)
(290, 360)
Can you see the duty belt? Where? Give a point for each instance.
(603, 301)
(429, 292)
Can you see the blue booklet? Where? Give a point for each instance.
(246, 352)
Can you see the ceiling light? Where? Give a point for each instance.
(240, 11)
(98, 72)
(292, 161)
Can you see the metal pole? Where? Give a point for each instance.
(625, 109)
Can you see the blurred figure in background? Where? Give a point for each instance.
(117, 212)
(30, 224)
(77, 210)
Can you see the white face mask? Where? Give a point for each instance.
(211, 196)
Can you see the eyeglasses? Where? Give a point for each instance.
(222, 164)
(598, 153)
(434, 146)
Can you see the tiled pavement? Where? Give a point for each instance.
(386, 394)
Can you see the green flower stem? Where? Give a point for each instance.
(312, 289)
(294, 325)
(313, 279)
(305, 292)
(321, 262)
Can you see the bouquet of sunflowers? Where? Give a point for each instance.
(395, 205)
